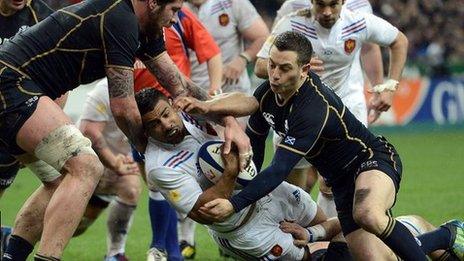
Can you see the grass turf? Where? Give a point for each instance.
(432, 187)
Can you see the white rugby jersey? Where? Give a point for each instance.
(224, 19)
(97, 108)
(172, 170)
(339, 47)
(291, 6)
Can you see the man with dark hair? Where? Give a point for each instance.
(171, 165)
(364, 170)
(75, 45)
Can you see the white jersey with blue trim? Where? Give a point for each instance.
(291, 6)
(250, 234)
(338, 47)
(172, 170)
(97, 108)
(225, 20)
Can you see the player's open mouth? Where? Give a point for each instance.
(172, 133)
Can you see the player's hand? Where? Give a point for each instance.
(299, 233)
(231, 162)
(372, 115)
(232, 71)
(125, 166)
(316, 65)
(191, 105)
(217, 210)
(233, 133)
(214, 91)
(383, 95)
(381, 101)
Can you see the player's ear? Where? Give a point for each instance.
(305, 69)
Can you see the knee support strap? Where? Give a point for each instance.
(62, 144)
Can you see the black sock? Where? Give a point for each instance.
(39, 257)
(438, 239)
(17, 249)
(402, 242)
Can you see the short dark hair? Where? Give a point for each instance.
(147, 99)
(296, 42)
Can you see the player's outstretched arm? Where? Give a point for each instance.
(119, 163)
(172, 79)
(123, 106)
(236, 104)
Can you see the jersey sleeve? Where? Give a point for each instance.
(285, 9)
(361, 6)
(150, 47)
(257, 124)
(380, 31)
(245, 14)
(304, 129)
(97, 104)
(197, 36)
(40, 9)
(119, 34)
(179, 188)
(282, 25)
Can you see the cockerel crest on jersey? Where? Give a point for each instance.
(350, 44)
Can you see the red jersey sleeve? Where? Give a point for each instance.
(197, 36)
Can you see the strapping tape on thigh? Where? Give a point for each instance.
(62, 144)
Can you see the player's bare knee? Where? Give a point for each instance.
(130, 195)
(368, 219)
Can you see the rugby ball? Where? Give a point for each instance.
(210, 164)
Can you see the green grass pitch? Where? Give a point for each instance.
(432, 186)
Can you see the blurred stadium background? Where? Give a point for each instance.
(426, 124)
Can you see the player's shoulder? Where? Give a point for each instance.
(363, 6)
(42, 9)
(349, 16)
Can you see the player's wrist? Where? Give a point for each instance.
(309, 235)
(245, 57)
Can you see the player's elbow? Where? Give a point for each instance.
(260, 69)
(196, 216)
(401, 42)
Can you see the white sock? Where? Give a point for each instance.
(327, 204)
(186, 230)
(118, 224)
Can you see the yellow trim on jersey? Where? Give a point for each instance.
(318, 152)
(71, 14)
(340, 118)
(82, 66)
(102, 36)
(81, 21)
(18, 85)
(262, 99)
(153, 59)
(291, 149)
(119, 67)
(253, 130)
(77, 50)
(391, 155)
(14, 69)
(1, 95)
(9, 164)
(34, 15)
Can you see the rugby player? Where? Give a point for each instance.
(253, 233)
(363, 170)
